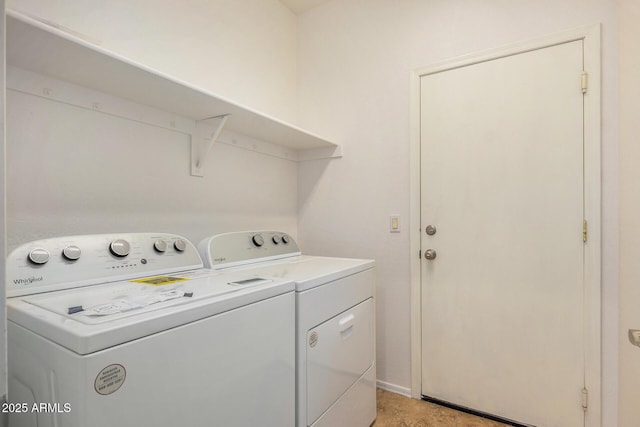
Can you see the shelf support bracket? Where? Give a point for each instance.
(202, 141)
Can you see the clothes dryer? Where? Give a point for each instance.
(335, 322)
(129, 330)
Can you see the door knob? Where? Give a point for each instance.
(430, 254)
(430, 230)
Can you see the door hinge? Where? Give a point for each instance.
(585, 399)
(584, 230)
(584, 82)
(420, 254)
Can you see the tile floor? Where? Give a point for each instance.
(395, 410)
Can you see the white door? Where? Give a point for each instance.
(502, 183)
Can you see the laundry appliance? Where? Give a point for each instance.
(129, 330)
(335, 322)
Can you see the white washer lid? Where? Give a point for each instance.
(309, 271)
(90, 319)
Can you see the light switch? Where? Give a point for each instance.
(394, 224)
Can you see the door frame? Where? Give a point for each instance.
(590, 35)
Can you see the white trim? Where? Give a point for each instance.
(404, 391)
(592, 207)
(580, 33)
(414, 239)
(592, 202)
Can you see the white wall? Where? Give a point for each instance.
(629, 52)
(73, 171)
(354, 63)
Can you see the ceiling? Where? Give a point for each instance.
(300, 6)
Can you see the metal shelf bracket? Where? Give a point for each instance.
(203, 139)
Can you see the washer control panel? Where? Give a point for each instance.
(75, 261)
(245, 247)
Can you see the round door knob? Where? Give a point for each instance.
(430, 230)
(258, 240)
(180, 245)
(39, 256)
(120, 248)
(430, 254)
(71, 253)
(160, 245)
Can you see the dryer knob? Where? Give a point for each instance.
(120, 248)
(71, 253)
(276, 239)
(257, 240)
(160, 245)
(39, 256)
(286, 239)
(180, 245)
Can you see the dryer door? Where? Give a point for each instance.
(339, 351)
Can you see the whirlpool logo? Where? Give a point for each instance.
(27, 281)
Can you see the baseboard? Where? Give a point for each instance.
(394, 388)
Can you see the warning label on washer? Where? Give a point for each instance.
(110, 379)
(159, 280)
(134, 302)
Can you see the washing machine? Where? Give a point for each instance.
(129, 330)
(335, 322)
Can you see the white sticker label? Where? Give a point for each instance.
(110, 379)
(133, 303)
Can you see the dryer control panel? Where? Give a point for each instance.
(245, 247)
(75, 261)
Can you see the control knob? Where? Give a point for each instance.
(286, 239)
(160, 245)
(257, 240)
(180, 245)
(71, 253)
(39, 256)
(120, 248)
(276, 239)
